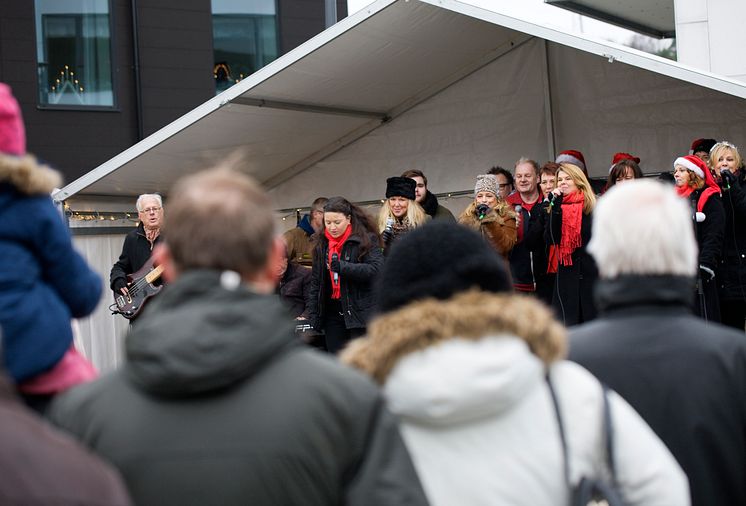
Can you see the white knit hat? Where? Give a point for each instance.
(486, 183)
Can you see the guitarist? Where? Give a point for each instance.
(139, 244)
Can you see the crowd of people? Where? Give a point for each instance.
(551, 344)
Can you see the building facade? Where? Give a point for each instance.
(94, 77)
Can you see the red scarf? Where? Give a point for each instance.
(335, 247)
(572, 219)
(711, 188)
(516, 200)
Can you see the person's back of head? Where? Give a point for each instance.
(219, 219)
(439, 261)
(643, 228)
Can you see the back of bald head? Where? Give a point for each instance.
(220, 219)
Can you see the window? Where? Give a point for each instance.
(244, 36)
(73, 50)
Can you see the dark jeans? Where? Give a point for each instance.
(336, 334)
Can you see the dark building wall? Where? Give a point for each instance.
(175, 64)
(301, 20)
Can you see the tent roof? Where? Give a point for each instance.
(339, 86)
(651, 17)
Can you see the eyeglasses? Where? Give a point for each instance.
(503, 185)
(150, 210)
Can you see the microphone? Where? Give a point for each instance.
(335, 275)
(482, 210)
(550, 198)
(518, 215)
(389, 225)
(725, 175)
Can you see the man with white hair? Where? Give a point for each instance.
(683, 375)
(139, 243)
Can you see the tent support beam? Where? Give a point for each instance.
(418, 98)
(548, 106)
(294, 106)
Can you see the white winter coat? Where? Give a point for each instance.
(477, 415)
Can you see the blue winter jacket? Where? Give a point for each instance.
(44, 283)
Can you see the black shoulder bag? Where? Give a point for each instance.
(590, 491)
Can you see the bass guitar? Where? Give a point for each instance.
(141, 289)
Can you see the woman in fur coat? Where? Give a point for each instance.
(463, 363)
(491, 216)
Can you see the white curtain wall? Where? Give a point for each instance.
(101, 335)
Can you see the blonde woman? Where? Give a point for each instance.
(491, 216)
(567, 231)
(399, 213)
(727, 164)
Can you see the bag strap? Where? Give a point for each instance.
(561, 425)
(609, 433)
(608, 429)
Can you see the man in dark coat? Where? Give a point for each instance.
(685, 377)
(218, 402)
(139, 243)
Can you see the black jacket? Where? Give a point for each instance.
(732, 269)
(135, 252)
(219, 403)
(528, 259)
(709, 235)
(573, 295)
(683, 376)
(357, 281)
(293, 288)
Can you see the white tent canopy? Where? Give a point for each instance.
(439, 85)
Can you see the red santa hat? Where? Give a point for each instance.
(12, 133)
(696, 165)
(618, 157)
(692, 163)
(573, 157)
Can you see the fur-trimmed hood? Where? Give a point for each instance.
(470, 315)
(446, 362)
(27, 175)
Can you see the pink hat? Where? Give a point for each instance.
(618, 157)
(12, 133)
(573, 157)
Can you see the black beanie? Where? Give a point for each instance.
(400, 187)
(439, 260)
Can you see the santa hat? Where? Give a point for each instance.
(486, 183)
(573, 157)
(12, 133)
(702, 145)
(693, 163)
(618, 157)
(696, 165)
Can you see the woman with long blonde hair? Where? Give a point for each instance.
(399, 213)
(567, 232)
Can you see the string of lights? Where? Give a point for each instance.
(131, 217)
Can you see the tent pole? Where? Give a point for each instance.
(548, 109)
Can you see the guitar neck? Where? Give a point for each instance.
(154, 274)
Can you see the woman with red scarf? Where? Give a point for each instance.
(567, 231)
(346, 261)
(695, 182)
